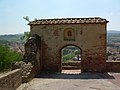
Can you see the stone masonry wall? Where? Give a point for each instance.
(113, 66)
(90, 38)
(11, 80)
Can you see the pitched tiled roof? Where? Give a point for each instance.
(68, 21)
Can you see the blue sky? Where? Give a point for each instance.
(13, 11)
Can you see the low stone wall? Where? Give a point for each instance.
(11, 80)
(71, 65)
(113, 66)
(27, 69)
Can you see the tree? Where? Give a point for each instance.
(7, 57)
(25, 36)
(26, 18)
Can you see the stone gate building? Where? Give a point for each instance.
(88, 34)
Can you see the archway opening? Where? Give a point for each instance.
(71, 57)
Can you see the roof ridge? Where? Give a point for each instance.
(69, 20)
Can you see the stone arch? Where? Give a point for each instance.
(60, 55)
(69, 34)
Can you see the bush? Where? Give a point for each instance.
(68, 57)
(7, 57)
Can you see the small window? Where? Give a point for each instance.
(69, 33)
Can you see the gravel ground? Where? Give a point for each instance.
(73, 80)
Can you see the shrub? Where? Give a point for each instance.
(68, 57)
(7, 57)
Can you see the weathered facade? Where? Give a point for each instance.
(88, 34)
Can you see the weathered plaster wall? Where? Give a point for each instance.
(11, 80)
(91, 38)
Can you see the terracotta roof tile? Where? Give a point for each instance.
(68, 21)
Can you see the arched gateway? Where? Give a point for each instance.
(89, 34)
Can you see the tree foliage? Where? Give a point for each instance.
(26, 36)
(69, 52)
(7, 57)
(68, 57)
(26, 18)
